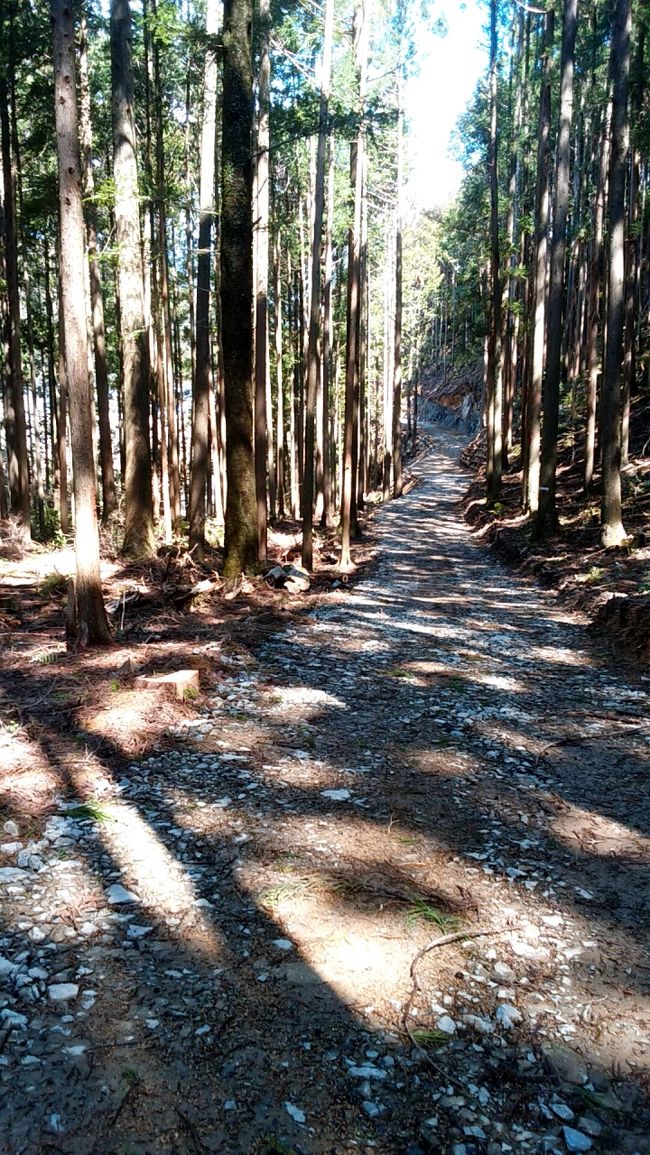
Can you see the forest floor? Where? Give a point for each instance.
(383, 886)
(611, 585)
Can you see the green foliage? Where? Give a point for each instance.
(47, 527)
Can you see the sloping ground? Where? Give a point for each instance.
(219, 939)
(611, 585)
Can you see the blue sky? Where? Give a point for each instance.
(449, 68)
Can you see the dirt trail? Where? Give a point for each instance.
(438, 749)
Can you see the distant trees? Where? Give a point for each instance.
(568, 216)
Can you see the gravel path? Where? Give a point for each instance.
(213, 952)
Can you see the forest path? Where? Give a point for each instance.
(437, 748)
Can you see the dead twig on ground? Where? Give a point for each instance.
(443, 940)
(194, 1135)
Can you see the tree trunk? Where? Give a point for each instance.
(594, 298)
(262, 280)
(546, 522)
(537, 291)
(109, 499)
(349, 527)
(15, 423)
(494, 382)
(613, 533)
(138, 531)
(313, 353)
(327, 346)
(203, 383)
(397, 331)
(165, 312)
(237, 288)
(280, 460)
(91, 622)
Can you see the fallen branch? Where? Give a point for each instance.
(444, 940)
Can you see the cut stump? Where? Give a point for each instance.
(179, 680)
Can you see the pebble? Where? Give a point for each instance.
(117, 895)
(336, 795)
(296, 1114)
(62, 992)
(576, 1140)
(508, 1016)
(446, 1024)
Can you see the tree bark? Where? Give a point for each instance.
(537, 293)
(203, 383)
(262, 280)
(494, 381)
(109, 499)
(546, 522)
(15, 423)
(594, 297)
(91, 622)
(313, 353)
(613, 533)
(237, 288)
(138, 532)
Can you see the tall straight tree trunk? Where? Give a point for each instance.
(494, 383)
(313, 352)
(546, 522)
(280, 458)
(397, 330)
(15, 422)
(348, 486)
(613, 533)
(327, 346)
(203, 378)
(109, 499)
(632, 248)
(237, 288)
(91, 622)
(165, 318)
(537, 292)
(261, 236)
(351, 429)
(138, 530)
(389, 288)
(594, 296)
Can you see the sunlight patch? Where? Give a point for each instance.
(307, 696)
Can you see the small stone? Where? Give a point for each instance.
(591, 1125)
(508, 1016)
(502, 970)
(565, 1064)
(367, 1071)
(283, 944)
(296, 1114)
(484, 1026)
(446, 1024)
(10, 848)
(6, 967)
(62, 992)
(134, 931)
(118, 895)
(230, 1105)
(563, 1112)
(13, 1019)
(576, 1140)
(336, 795)
(372, 1110)
(11, 828)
